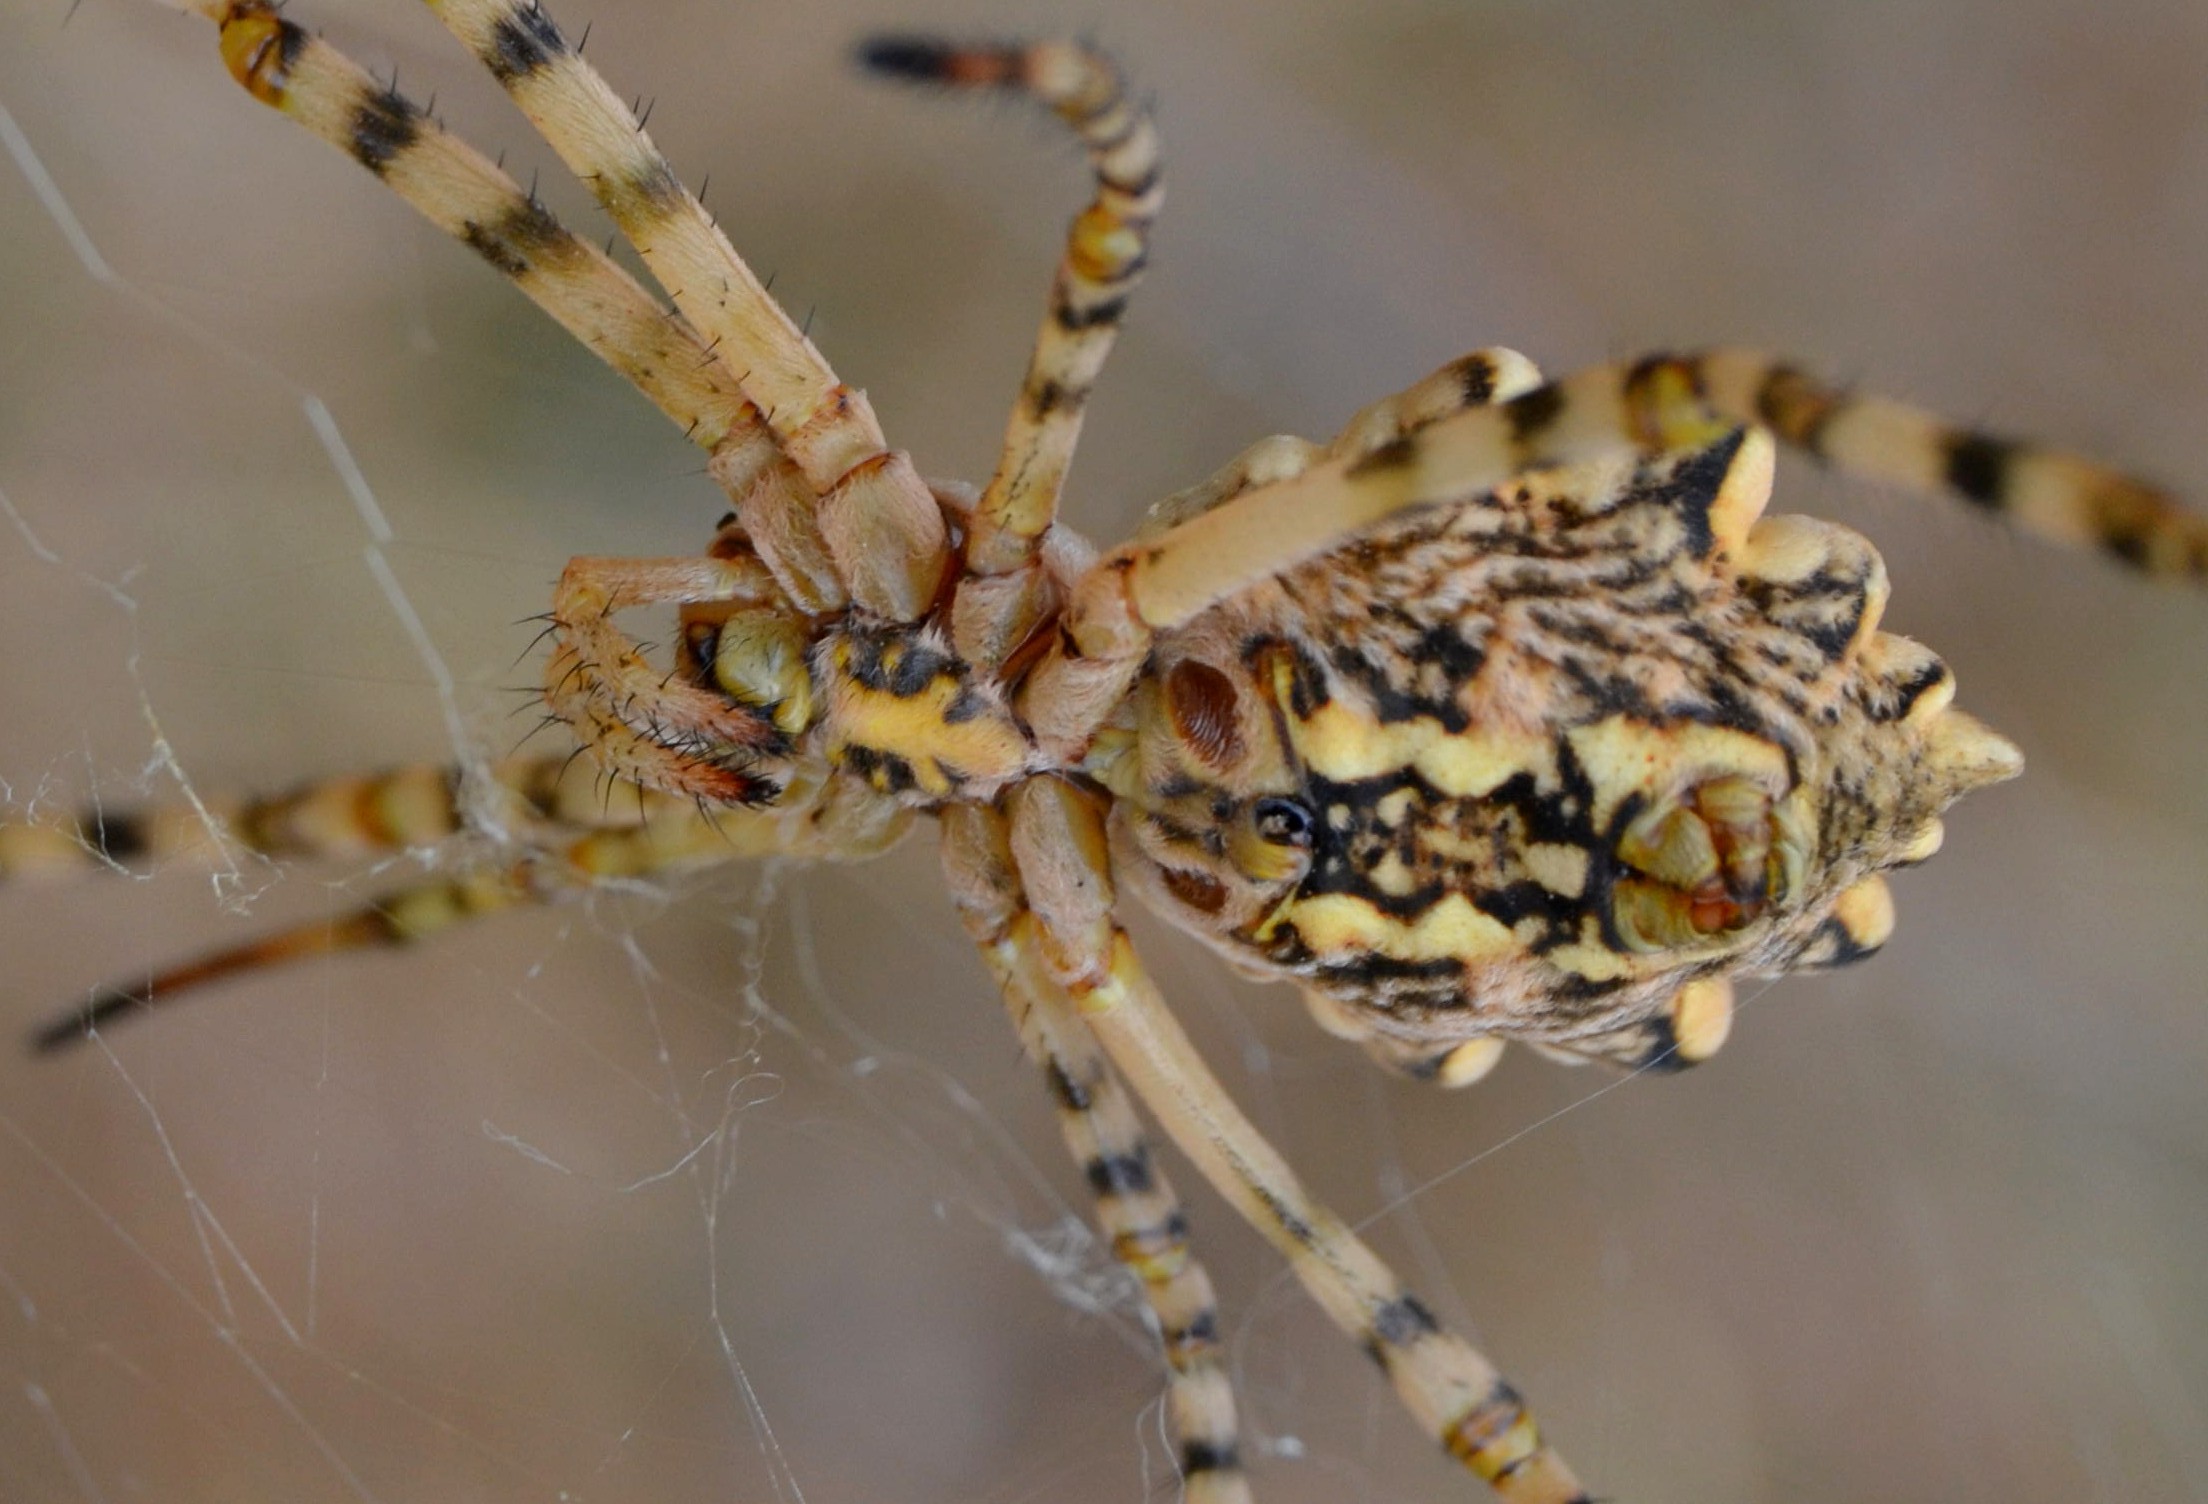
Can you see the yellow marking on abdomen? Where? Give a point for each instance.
(1338, 925)
(1345, 744)
(1624, 756)
(1560, 869)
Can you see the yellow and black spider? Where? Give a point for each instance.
(1526, 766)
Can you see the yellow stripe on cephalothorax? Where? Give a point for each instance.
(942, 731)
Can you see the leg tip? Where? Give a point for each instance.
(922, 58)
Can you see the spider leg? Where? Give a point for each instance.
(1058, 846)
(572, 836)
(881, 525)
(1136, 1206)
(1106, 249)
(1449, 1387)
(1485, 376)
(460, 191)
(464, 194)
(2048, 493)
(642, 724)
(347, 817)
(1481, 379)
(1653, 406)
(555, 805)
(1080, 680)
(397, 918)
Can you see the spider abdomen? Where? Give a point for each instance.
(1571, 752)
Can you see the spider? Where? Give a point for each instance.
(1249, 697)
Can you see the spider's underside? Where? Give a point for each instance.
(1503, 716)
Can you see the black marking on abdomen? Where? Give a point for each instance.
(1901, 698)
(1824, 610)
(1692, 489)
(1526, 899)
(1833, 945)
(1368, 971)
(1661, 1055)
(884, 770)
(1307, 686)
(1442, 646)
(919, 663)
(1571, 987)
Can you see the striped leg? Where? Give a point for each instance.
(1081, 680)
(879, 521)
(2061, 497)
(1485, 376)
(462, 193)
(1481, 379)
(349, 818)
(339, 818)
(1106, 248)
(572, 830)
(1657, 405)
(1454, 1393)
(1135, 1205)
(397, 918)
(1654, 406)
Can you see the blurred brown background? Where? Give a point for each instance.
(432, 1227)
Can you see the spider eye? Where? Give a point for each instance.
(1286, 822)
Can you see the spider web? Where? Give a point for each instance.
(738, 1187)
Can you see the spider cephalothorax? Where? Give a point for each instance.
(1534, 766)
(1502, 715)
